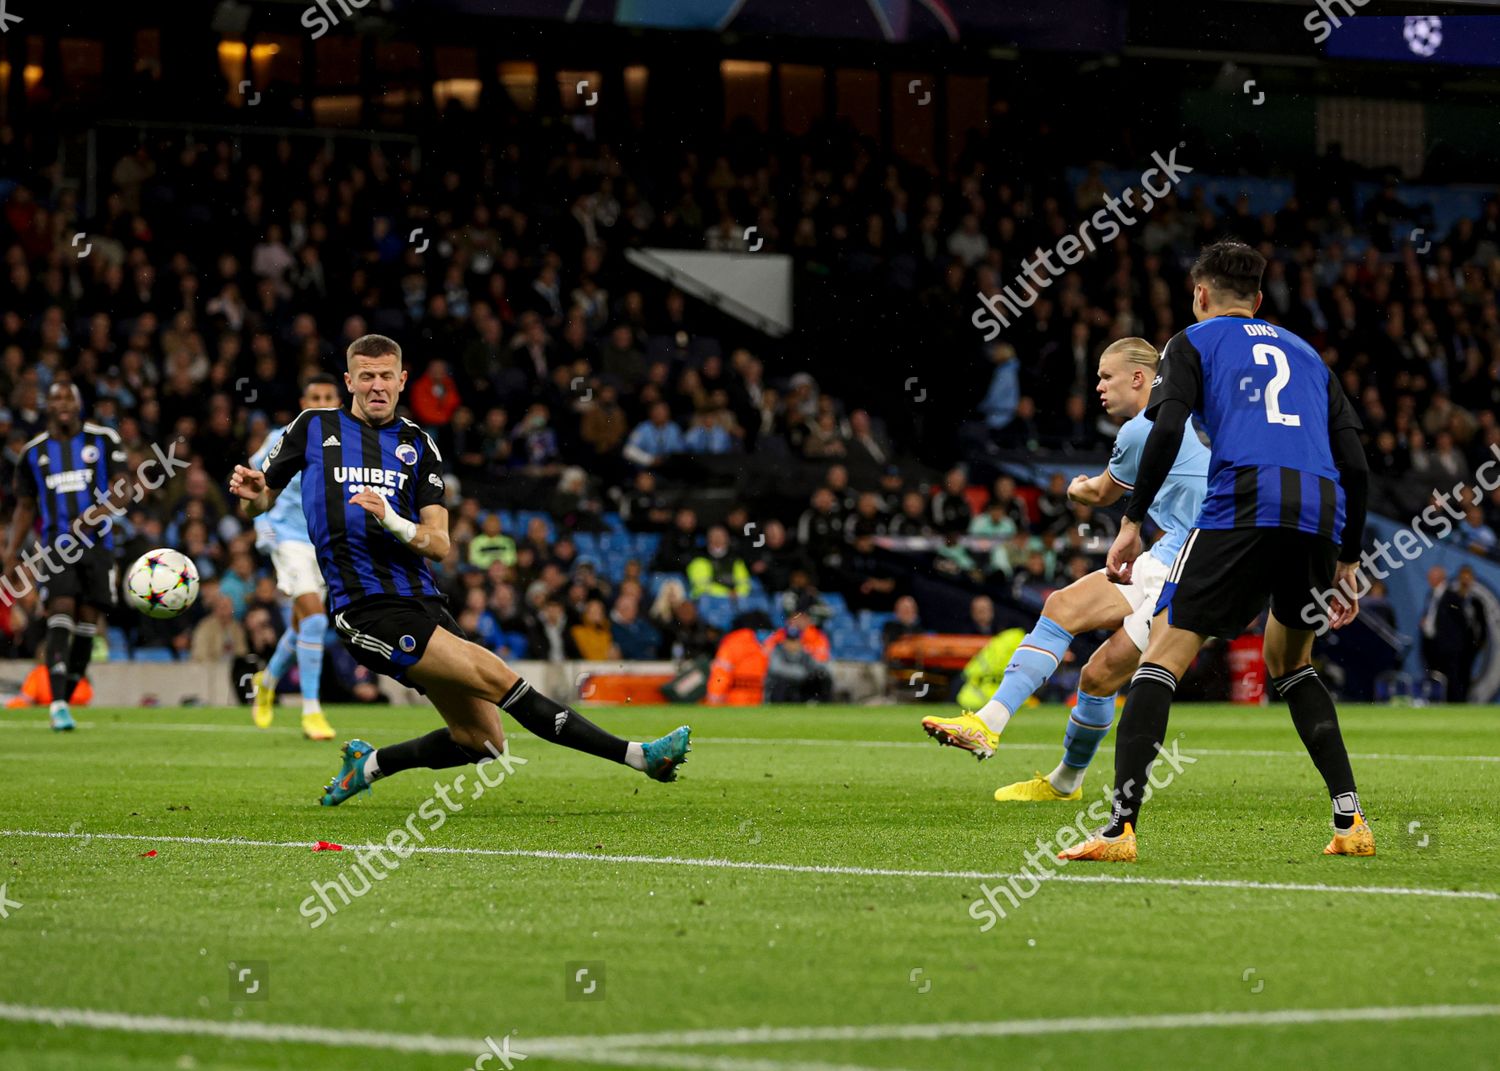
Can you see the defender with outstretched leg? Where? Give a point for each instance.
(366, 474)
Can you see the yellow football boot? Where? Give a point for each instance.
(1356, 840)
(1037, 790)
(263, 706)
(965, 731)
(1102, 849)
(316, 727)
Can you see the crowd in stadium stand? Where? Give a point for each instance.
(218, 280)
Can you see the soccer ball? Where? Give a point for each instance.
(1424, 34)
(162, 583)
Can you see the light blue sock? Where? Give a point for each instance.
(281, 659)
(310, 636)
(1088, 725)
(1035, 660)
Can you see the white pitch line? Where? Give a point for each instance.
(796, 868)
(1372, 756)
(202, 727)
(1024, 1027)
(620, 1057)
(579, 1048)
(283, 1033)
(626, 1049)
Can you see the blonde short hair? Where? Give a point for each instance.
(1136, 351)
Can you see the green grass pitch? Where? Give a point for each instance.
(843, 941)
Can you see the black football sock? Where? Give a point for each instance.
(1143, 726)
(435, 751)
(80, 652)
(59, 646)
(561, 725)
(1317, 723)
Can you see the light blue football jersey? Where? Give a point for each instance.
(1177, 505)
(285, 523)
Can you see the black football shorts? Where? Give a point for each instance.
(388, 634)
(90, 580)
(1222, 579)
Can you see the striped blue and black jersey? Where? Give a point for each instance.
(68, 478)
(1270, 408)
(339, 456)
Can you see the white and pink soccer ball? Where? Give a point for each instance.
(162, 583)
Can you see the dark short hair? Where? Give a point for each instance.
(374, 346)
(1230, 266)
(320, 379)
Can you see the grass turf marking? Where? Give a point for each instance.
(794, 868)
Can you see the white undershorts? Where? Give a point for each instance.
(297, 571)
(1146, 580)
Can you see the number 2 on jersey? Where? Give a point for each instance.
(1263, 354)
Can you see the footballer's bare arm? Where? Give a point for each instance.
(249, 485)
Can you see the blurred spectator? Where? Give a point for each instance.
(592, 637)
(1005, 493)
(635, 637)
(219, 636)
(953, 559)
(802, 597)
(709, 434)
(1475, 535)
(950, 506)
(913, 518)
(797, 667)
(535, 442)
(642, 508)
(776, 561)
(820, 528)
(492, 545)
(687, 636)
(999, 404)
(1454, 630)
(603, 424)
(238, 583)
(738, 675)
(679, 546)
(549, 639)
(996, 522)
(865, 577)
(655, 440)
(1052, 505)
(1377, 604)
(866, 445)
(434, 396)
(718, 570)
(982, 616)
(904, 622)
